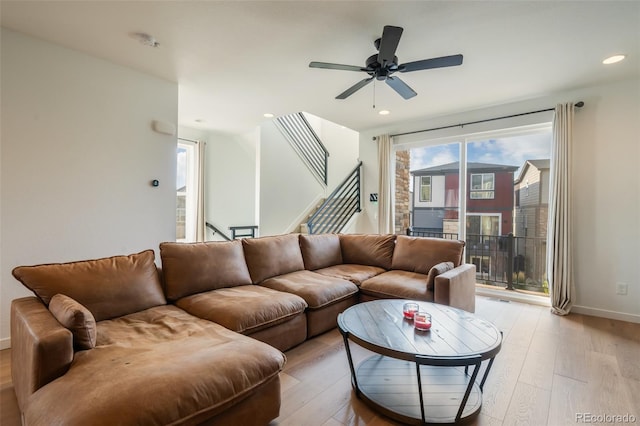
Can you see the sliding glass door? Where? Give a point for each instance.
(502, 213)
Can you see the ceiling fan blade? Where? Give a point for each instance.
(353, 89)
(389, 44)
(425, 64)
(329, 66)
(401, 87)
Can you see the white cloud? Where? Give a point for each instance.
(513, 151)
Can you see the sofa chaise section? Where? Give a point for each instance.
(148, 363)
(160, 366)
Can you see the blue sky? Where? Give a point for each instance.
(513, 151)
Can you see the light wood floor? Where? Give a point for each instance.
(549, 370)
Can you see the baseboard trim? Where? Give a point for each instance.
(5, 343)
(603, 313)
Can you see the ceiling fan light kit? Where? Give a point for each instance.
(382, 65)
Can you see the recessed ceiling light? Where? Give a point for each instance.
(200, 120)
(384, 112)
(613, 59)
(267, 115)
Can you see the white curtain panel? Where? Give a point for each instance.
(559, 253)
(200, 214)
(385, 204)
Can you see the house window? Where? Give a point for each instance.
(425, 188)
(483, 224)
(482, 186)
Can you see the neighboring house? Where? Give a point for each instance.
(490, 203)
(531, 189)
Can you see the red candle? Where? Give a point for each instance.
(409, 310)
(422, 321)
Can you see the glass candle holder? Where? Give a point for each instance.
(422, 321)
(409, 309)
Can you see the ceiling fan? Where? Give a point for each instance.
(382, 65)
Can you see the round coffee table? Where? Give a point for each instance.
(420, 377)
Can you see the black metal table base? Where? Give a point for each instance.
(426, 391)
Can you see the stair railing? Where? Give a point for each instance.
(245, 231)
(339, 207)
(306, 143)
(217, 231)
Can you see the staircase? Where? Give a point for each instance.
(335, 212)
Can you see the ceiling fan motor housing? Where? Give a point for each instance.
(375, 69)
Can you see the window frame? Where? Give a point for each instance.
(478, 194)
(189, 193)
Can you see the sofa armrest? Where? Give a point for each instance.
(41, 348)
(457, 288)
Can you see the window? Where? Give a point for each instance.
(482, 186)
(425, 188)
(185, 195)
(483, 224)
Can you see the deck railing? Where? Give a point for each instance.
(518, 262)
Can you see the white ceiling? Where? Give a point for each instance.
(235, 60)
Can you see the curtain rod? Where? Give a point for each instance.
(578, 104)
(187, 140)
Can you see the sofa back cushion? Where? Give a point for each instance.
(190, 268)
(370, 250)
(270, 256)
(320, 251)
(418, 254)
(108, 287)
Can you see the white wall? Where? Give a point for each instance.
(230, 180)
(78, 158)
(287, 188)
(606, 195)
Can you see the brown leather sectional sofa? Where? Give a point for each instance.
(107, 341)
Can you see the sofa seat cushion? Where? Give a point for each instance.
(245, 309)
(398, 284)
(109, 287)
(156, 367)
(354, 273)
(316, 289)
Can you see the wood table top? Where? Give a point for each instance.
(380, 326)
